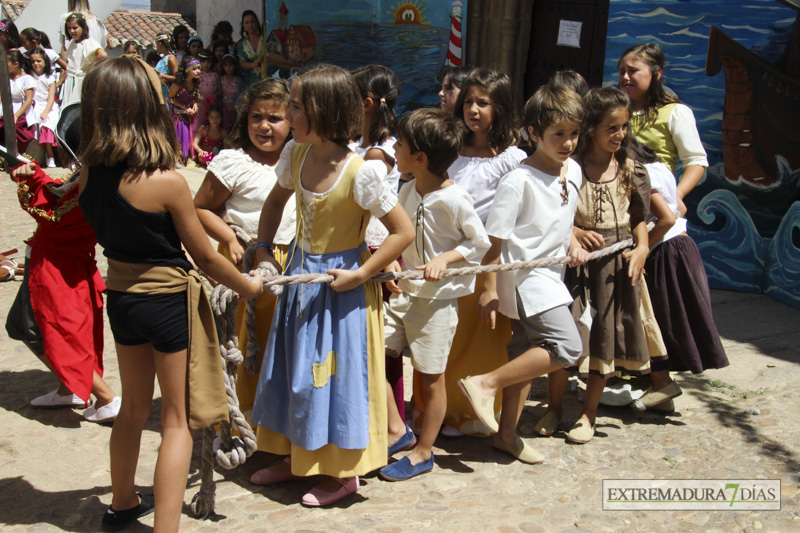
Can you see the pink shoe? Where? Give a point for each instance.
(268, 476)
(317, 497)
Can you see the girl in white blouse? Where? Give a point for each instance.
(234, 190)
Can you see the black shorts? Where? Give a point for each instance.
(160, 319)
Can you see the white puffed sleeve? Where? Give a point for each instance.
(370, 189)
(284, 167)
(227, 167)
(687, 141)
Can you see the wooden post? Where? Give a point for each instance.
(9, 127)
(498, 37)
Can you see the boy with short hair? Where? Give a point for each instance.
(423, 314)
(531, 218)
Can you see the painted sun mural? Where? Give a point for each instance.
(409, 13)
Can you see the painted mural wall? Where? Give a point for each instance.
(745, 214)
(412, 37)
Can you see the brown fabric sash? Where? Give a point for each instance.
(208, 403)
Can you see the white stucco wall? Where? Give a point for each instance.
(209, 12)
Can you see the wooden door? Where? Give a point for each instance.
(566, 34)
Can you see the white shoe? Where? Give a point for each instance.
(51, 162)
(53, 400)
(107, 413)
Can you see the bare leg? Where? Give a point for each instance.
(100, 388)
(175, 454)
(594, 390)
(531, 364)
(137, 373)
(514, 397)
(435, 408)
(397, 426)
(660, 379)
(556, 386)
(62, 389)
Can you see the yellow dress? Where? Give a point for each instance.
(338, 226)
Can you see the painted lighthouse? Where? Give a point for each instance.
(454, 48)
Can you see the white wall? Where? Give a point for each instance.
(209, 12)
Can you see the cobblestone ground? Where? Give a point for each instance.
(734, 423)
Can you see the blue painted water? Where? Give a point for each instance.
(749, 237)
(414, 53)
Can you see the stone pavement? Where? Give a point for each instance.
(734, 423)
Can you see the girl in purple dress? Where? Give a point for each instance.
(183, 97)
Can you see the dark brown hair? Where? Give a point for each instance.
(122, 120)
(331, 102)
(241, 27)
(15, 56)
(597, 103)
(552, 104)
(269, 89)
(652, 55)
(504, 131)
(383, 86)
(571, 80)
(40, 51)
(80, 20)
(436, 133)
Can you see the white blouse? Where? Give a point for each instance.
(40, 96)
(532, 219)
(370, 190)
(479, 176)
(376, 231)
(444, 220)
(249, 183)
(663, 182)
(18, 88)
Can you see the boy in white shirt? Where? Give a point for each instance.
(423, 314)
(531, 218)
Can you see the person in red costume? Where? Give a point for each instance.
(65, 291)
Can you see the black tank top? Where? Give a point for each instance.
(126, 233)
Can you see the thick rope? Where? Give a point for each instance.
(229, 451)
(203, 502)
(297, 279)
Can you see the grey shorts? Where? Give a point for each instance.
(554, 330)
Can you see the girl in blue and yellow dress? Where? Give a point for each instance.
(321, 397)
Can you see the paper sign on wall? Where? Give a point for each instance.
(569, 33)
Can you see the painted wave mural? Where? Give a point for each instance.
(748, 234)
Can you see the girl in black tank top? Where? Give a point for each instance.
(143, 214)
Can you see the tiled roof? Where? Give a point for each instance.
(141, 26)
(12, 8)
(305, 34)
(122, 24)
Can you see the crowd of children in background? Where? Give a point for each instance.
(323, 178)
(227, 67)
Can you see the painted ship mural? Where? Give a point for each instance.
(415, 38)
(737, 65)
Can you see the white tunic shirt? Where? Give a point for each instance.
(444, 220)
(528, 215)
(479, 176)
(249, 183)
(663, 182)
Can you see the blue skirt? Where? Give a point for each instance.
(313, 384)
